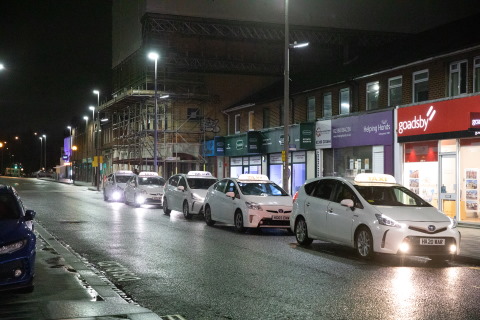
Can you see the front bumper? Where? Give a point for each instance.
(268, 218)
(416, 241)
(17, 273)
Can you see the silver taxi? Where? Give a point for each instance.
(186, 192)
(114, 185)
(146, 188)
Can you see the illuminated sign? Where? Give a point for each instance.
(375, 177)
(417, 123)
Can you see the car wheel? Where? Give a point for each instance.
(238, 222)
(364, 243)
(186, 214)
(165, 207)
(208, 216)
(301, 232)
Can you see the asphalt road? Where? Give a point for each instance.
(174, 266)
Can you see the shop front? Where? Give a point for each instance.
(440, 148)
(244, 153)
(356, 144)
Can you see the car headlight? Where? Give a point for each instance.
(253, 205)
(12, 247)
(383, 220)
(453, 223)
(196, 197)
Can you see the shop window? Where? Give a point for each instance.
(345, 101)
(266, 117)
(251, 118)
(327, 104)
(476, 74)
(395, 91)
(421, 152)
(420, 86)
(237, 123)
(311, 109)
(458, 78)
(373, 89)
(470, 174)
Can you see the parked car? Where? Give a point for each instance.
(372, 214)
(17, 242)
(186, 192)
(144, 188)
(114, 186)
(249, 201)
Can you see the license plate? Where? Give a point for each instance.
(280, 218)
(432, 242)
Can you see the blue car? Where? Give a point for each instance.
(17, 242)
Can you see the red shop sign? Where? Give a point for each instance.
(438, 117)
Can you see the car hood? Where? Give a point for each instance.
(271, 201)
(200, 192)
(152, 189)
(121, 185)
(11, 230)
(417, 214)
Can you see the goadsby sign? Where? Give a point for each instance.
(446, 116)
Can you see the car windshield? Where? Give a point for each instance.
(146, 181)
(122, 179)
(198, 183)
(261, 189)
(396, 196)
(8, 207)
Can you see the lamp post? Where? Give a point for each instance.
(70, 158)
(94, 145)
(41, 152)
(86, 140)
(286, 101)
(154, 56)
(45, 153)
(98, 171)
(1, 165)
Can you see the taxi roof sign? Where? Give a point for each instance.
(253, 177)
(199, 173)
(124, 172)
(374, 178)
(148, 174)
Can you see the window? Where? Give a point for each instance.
(237, 123)
(220, 186)
(420, 86)
(345, 101)
(395, 91)
(311, 109)
(324, 189)
(373, 88)
(458, 78)
(250, 120)
(327, 104)
(266, 117)
(476, 74)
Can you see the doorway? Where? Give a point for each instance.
(448, 184)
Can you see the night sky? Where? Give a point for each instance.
(55, 52)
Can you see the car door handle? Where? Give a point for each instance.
(308, 204)
(330, 210)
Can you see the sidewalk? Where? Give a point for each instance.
(67, 288)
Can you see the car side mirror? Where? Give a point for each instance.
(230, 194)
(181, 188)
(29, 215)
(348, 203)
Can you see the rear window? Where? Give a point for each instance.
(196, 183)
(9, 208)
(396, 196)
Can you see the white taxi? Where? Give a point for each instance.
(186, 192)
(372, 214)
(114, 186)
(146, 188)
(249, 201)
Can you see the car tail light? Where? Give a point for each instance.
(295, 196)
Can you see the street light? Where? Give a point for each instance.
(2, 66)
(1, 166)
(98, 96)
(154, 56)
(45, 155)
(286, 102)
(70, 158)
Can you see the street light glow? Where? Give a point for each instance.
(153, 56)
(96, 92)
(300, 45)
(2, 66)
(85, 118)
